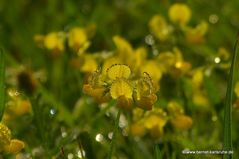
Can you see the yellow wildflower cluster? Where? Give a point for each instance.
(16, 106)
(118, 83)
(153, 121)
(55, 41)
(8, 145)
(178, 13)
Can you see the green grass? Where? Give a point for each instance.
(228, 105)
(2, 83)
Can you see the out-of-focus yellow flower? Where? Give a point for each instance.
(200, 99)
(124, 50)
(174, 108)
(178, 119)
(196, 35)
(154, 121)
(54, 42)
(182, 122)
(223, 53)
(236, 90)
(153, 69)
(145, 95)
(137, 129)
(5, 136)
(89, 64)
(197, 79)
(173, 62)
(179, 13)
(7, 144)
(14, 147)
(77, 37)
(159, 27)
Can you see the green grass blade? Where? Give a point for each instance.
(227, 145)
(112, 144)
(157, 152)
(2, 83)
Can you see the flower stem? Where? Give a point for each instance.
(112, 144)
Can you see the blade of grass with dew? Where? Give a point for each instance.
(227, 142)
(2, 83)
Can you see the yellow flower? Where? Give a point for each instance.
(77, 38)
(196, 35)
(182, 122)
(122, 91)
(124, 50)
(5, 136)
(54, 41)
(96, 88)
(174, 108)
(89, 64)
(7, 144)
(154, 121)
(179, 13)
(15, 146)
(144, 94)
(159, 27)
(137, 129)
(153, 69)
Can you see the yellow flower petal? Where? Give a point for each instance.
(5, 136)
(121, 88)
(15, 146)
(118, 71)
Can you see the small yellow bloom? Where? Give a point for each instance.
(5, 136)
(89, 64)
(196, 35)
(154, 121)
(144, 94)
(182, 122)
(179, 13)
(7, 144)
(77, 37)
(159, 27)
(54, 41)
(175, 108)
(153, 69)
(137, 129)
(15, 146)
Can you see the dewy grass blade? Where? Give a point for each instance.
(2, 83)
(227, 145)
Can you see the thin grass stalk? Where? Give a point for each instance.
(112, 144)
(2, 83)
(227, 142)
